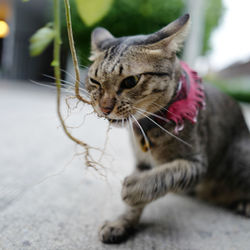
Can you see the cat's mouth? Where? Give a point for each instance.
(114, 120)
(118, 122)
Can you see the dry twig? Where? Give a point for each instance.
(56, 63)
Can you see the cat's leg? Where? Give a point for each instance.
(118, 230)
(225, 194)
(174, 176)
(229, 183)
(221, 192)
(241, 207)
(237, 169)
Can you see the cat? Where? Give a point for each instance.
(188, 136)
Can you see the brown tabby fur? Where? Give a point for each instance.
(216, 166)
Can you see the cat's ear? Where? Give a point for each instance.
(169, 39)
(100, 37)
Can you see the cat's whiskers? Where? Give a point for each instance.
(164, 108)
(68, 84)
(132, 130)
(123, 122)
(83, 66)
(61, 80)
(67, 90)
(83, 59)
(161, 107)
(143, 132)
(72, 76)
(165, 130)
(141, 111)
(152, 114)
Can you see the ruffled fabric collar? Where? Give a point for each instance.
(189, 99)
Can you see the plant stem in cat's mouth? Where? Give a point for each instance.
(89, 160)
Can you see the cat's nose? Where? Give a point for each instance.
(106, 110)
(107, 105)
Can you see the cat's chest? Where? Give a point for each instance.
(153, 146)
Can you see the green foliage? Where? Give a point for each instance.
(41, 40)
(129, 17)
(214, 11)
(92, 11)
(237, 87)
(126, 17)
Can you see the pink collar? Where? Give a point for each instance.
(189, 99)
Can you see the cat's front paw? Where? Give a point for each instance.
(136, 190)
(114, 232)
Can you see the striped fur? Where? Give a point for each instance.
(216, 166)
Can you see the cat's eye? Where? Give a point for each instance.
(94, 81)
(130, 82)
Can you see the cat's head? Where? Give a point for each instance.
(134, 73)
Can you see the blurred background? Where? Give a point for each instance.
(218, 45)
(43, 180)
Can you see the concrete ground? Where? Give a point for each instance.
(49, 200)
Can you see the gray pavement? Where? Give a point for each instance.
(49, 200)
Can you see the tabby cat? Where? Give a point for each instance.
(188, 137)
